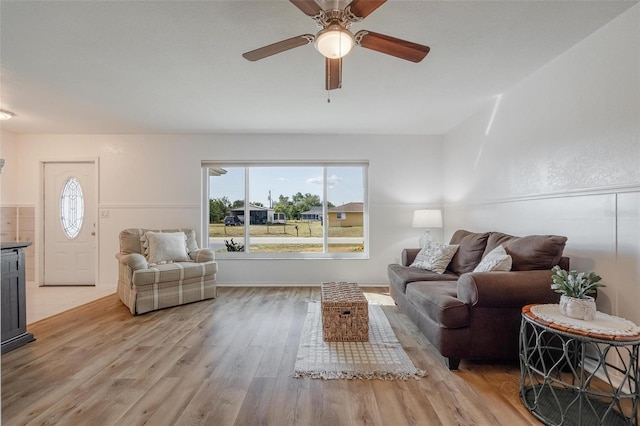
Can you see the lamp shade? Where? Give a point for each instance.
(427, 218)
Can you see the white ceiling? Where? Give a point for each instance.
(176, 66)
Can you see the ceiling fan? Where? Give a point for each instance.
(334, 40)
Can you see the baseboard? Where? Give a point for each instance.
(314, 284)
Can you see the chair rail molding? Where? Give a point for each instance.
(603, 190)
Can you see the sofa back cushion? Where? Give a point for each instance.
(533, 252)
(471, 248)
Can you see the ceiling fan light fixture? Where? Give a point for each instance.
(334, 41)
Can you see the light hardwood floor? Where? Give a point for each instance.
(228, 361)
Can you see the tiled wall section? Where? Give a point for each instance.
(19, 224)
(9, 228)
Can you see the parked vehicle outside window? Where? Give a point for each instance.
(232, 221)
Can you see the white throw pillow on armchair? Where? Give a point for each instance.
(165, 247)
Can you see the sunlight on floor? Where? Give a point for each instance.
(382, 298)
(43, 302)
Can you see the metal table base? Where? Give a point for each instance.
(573, 378)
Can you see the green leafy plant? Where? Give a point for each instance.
(575, 284)
(233, 246)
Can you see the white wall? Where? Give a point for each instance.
(561, 155)
(7, 152)
(155, 181)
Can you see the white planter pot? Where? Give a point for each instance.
(584, 309)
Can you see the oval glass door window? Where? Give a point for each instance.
(71, 208)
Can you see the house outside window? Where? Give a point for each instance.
(278, 210)
(350, 214)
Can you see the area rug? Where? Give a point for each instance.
(382, 357)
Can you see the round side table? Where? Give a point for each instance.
(575, 372)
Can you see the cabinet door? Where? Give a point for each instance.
(13, 317)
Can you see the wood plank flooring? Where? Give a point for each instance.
(228, 361)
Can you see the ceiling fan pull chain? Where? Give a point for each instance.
(328, 96)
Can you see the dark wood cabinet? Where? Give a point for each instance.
(14, 303)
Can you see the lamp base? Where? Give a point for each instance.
(425, 240)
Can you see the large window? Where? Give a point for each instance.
(301, 210)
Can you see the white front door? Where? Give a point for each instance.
(69, 223)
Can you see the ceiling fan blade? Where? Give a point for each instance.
(362, 8)
(308, 7)
(333, 73)
(278, 47)
(392, 46)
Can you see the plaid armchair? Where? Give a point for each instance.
(162, 268)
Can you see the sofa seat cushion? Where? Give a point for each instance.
(533, 252)
(173, 272)
(437, 299)
(401, 275)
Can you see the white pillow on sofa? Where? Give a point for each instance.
(435, 257)
(165, 247)
(496, 260)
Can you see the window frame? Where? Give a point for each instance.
(325, 164)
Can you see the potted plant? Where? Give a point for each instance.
(576, 288)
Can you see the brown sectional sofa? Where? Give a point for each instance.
(476, 315)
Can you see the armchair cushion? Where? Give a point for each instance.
(172, 273)
(165, 247)
(130, 239)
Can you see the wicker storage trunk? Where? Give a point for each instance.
(345, 313)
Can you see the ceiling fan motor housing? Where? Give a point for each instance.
(326, 18)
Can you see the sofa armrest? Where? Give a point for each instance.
(134, 260)
(512, 289)
(408, 256)
(202, 255)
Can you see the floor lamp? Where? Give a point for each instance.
(427, 218)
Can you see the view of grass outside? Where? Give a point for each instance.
(295, 229)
